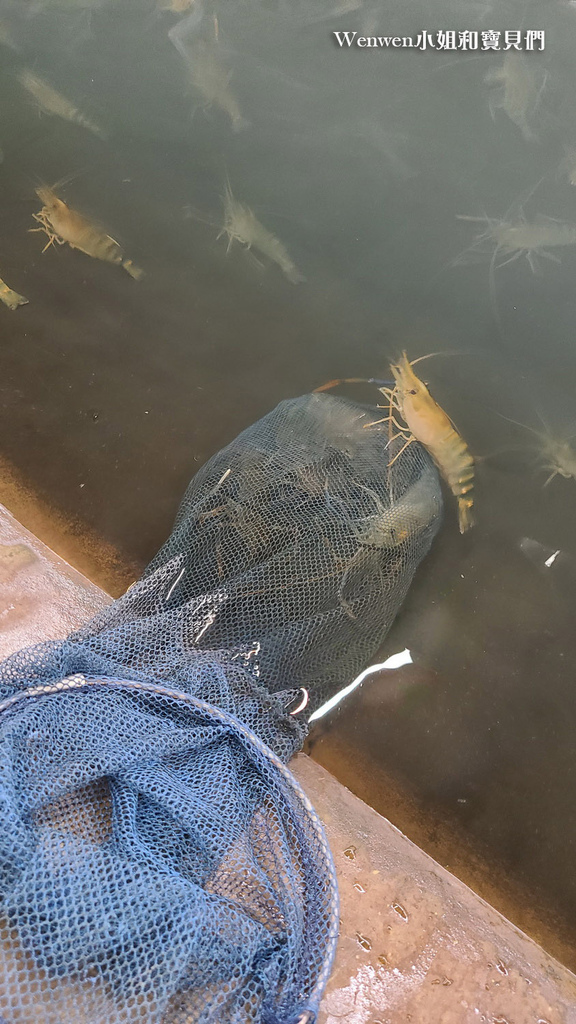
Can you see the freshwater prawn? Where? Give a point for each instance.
(210, 78)
(390, 526)
(556, 456)
(520, 84)
(568, 165)
(242, 225)
(62, 224)
(50, 101)
(520, 237)
(514, 236)
(426, 422)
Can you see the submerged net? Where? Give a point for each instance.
(296, 542)
(158, 862)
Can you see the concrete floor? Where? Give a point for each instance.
(416, 945)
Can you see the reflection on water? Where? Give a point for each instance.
(303, 211)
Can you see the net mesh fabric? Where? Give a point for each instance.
(158, 862)
(295, 542)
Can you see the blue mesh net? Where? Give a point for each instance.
(158, 861)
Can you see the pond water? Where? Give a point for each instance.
(425, 196)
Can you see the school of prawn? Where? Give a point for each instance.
(517, 88)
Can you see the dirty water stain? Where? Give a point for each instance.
(363, 941)
(399, 909)
(14, 558)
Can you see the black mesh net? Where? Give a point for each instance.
(158, 862)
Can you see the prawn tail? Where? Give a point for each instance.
(85, 122)
(527, 134)
(94, 128)
(465, 514)
(10, 298)
(240, 124)
(465, 498)
(293, 274)
(458, 471)
(132, 269)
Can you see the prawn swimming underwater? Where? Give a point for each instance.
(211, 79)
(50, 101)
(520, 84)
(425, 421)
(242, 225)
(520, 237)
(62, 224)
(513, 237)
(556, 455)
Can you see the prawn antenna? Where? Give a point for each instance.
(191, 213)
(344, 380)
(61, 183)
(517, 423)
(432, 355)
(227, 185)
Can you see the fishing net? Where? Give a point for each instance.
(158, 862)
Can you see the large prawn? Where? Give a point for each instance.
(426, 422)
(61, 224)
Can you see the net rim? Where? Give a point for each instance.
(306, 1014)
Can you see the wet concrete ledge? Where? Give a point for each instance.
(417, 946)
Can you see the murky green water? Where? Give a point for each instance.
(362, 161)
